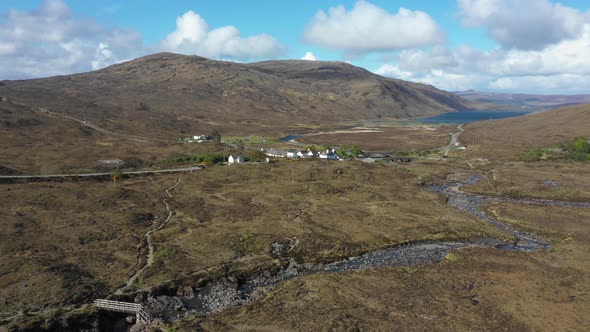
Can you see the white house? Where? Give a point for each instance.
(292, 154)
(237, 159)
(329, 154)
(199, 138)
(305, 154)
(276, 153)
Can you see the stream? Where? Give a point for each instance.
(149, 259)
(222, 294)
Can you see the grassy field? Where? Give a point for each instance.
(568, 181)
(483, 290)
(509, 139)
(68, 243)
(332, 209)
(34, 142)
(400, 138)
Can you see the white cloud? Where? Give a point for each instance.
(190, 28)
(394, 71)
(7, 48)
(559, 67)
(436, 77)
(523, 24)
(192, 36)
(368, 28)
(566, 83)
(50, 40)
(308, 56)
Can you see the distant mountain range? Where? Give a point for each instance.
(523, 101)
(164, 94)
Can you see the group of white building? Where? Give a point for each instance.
(274, 153)
(327, 154)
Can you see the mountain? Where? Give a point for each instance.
(523, 101)
(166, 94)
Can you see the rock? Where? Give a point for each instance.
(137, 328)
(218, 296)
(139, 298)
(232, 279)
(186, 291)
(164, 307)
(276, 248)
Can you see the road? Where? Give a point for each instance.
(454, 140)
(104, 131)
(90, 125)
(89, 175)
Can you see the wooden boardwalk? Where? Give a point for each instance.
(125, 307)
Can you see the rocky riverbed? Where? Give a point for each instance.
(225, 293)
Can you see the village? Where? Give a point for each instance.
(248, 146)
(329, 154)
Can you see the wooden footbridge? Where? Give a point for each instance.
(125, 307)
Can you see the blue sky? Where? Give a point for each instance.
(493, 45)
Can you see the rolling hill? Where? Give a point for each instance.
(507, 138)
(164, 95)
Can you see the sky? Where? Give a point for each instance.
(527, 46)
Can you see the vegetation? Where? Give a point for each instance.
(316, 148)
(216, 135)
(533, 155)
(349, 151)
(246, 140)
(398, 138)
(165, 253)
(255, 156)
(578, 150)
(507, 139)
(207, 158)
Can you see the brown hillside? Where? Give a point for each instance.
(164, 94)
(512, 136)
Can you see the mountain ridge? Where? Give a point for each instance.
(191, 93)
(524, 100)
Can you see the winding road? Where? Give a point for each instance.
(90, 125)
(454, 140)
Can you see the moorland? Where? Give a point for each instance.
(160, 239)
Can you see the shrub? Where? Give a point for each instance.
(533, 155)
(209, 158)
(578, 150)
(348, 152)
